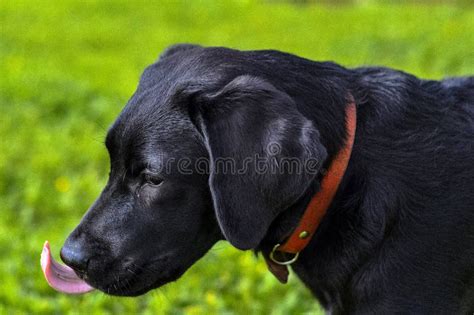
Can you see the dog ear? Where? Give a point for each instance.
(263, 155)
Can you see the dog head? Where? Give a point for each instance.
(207, 148)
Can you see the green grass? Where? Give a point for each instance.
(67, 68)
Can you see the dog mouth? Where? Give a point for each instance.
(61, 277)
(64, 279)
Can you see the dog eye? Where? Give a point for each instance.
(151, 179)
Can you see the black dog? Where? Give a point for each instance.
(398, 237)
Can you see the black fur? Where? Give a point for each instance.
(399, 235)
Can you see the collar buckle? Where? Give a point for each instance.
(279, 262)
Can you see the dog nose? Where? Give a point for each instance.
(74, 255)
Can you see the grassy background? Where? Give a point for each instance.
(67, 68)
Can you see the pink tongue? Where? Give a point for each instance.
(61, 277)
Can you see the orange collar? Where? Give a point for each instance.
(317, 207)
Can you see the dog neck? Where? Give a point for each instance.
(317, 207)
